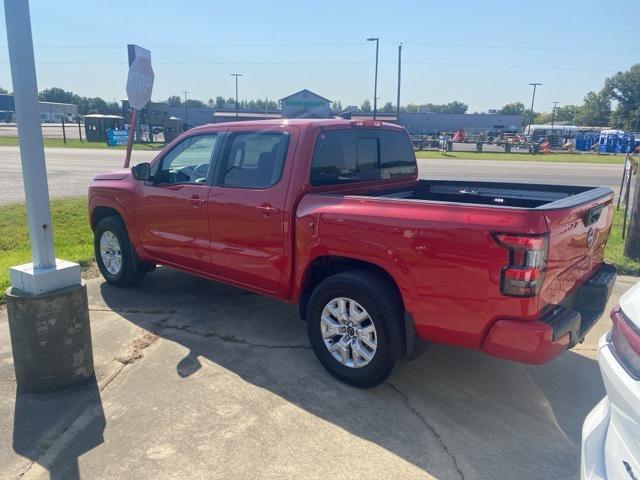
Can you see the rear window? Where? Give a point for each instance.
(356, 155)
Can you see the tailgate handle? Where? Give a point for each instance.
(593, 215)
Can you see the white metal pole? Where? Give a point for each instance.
(34, 170)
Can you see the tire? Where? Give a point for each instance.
(129, 270)
(372, 295)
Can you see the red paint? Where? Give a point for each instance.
(444, 257)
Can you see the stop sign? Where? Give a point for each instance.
(140, 79)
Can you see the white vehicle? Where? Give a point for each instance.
(611, 431)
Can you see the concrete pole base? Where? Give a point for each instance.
(50, 338)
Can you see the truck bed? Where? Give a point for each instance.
(515, 195)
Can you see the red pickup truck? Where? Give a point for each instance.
(331, 215)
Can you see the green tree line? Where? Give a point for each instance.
(617, 104)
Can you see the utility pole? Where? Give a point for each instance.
(236, 75)
(375, 80)
(186, 111)
(533, 98)
(632, 243)
(47, 302)
(399, 80)
(553, 114)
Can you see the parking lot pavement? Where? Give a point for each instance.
(196, 379)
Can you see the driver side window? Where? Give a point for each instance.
(188, 162)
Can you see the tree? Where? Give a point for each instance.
(219, 103)
(541, 118)
(595, 110)
(451, 107)
(513, 108)
(388, 108)
(58, 95)
(624, 88)
(567, 113)
(174, 101)
(366, 106)
(455, 107)
(193, 103)
(336, 106)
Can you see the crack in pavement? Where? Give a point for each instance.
(431, 428)
(131, 310)
(224, 338)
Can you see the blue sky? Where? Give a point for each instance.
(481, 53)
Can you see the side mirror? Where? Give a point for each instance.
(141, 171)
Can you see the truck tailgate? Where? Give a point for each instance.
(577, 238)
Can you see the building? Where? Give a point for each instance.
(434, 123)
(305, 104)
(50, 112)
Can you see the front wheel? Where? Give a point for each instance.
(354, 324)
(117, 261)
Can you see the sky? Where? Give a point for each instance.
(481, 53)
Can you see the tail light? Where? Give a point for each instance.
(625, 340)
(524, 274)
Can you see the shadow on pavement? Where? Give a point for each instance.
(483, 417)
(41, 419)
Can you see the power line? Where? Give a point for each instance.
(338, 62)
(220, 45)
(339, 44)
(522, 47)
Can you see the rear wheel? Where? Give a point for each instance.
(354, 324)
(115, 256)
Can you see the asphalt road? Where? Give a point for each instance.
(70, 171)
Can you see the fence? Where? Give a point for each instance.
(49, 130)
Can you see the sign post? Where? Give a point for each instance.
(47, 301)
(139, 87)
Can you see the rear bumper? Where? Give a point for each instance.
(559, 328)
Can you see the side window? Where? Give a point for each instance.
(188, 162)
(255, 160)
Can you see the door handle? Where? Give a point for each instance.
(267, 209)
(196, 201)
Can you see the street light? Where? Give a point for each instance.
(375, 81)
(236, 75)
(533, 97)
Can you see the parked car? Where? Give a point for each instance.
(330, 215)
(611, 431)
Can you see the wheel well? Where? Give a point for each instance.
(99, 213)
(323, 267)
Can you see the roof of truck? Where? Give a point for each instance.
(302, 123)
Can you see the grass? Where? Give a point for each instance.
(73, 238)
(58, 142)
(72, 235)
(525, 157)
(615, 248)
